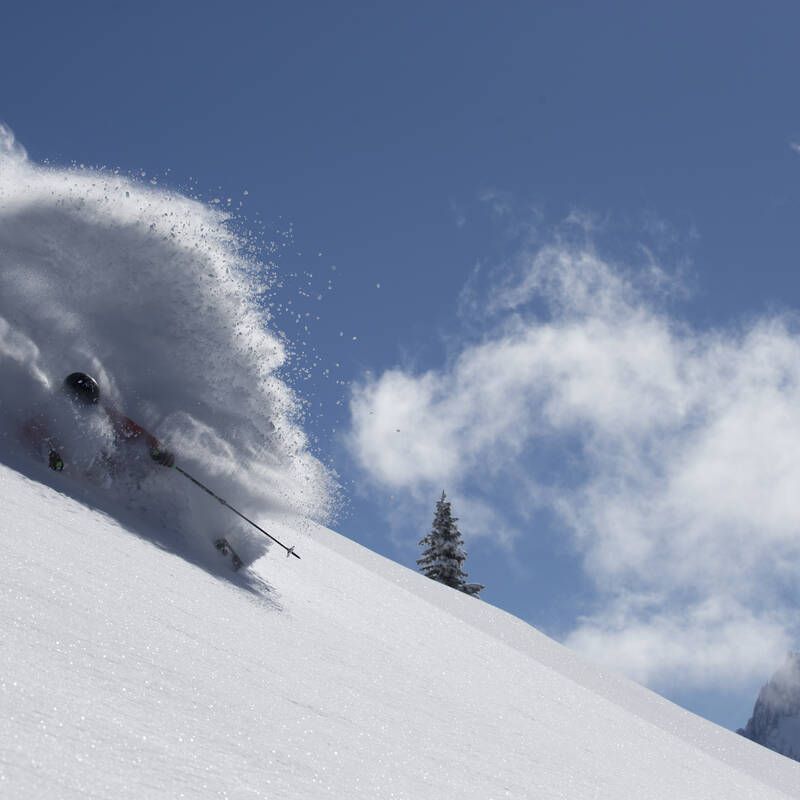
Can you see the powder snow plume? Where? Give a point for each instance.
(148, 291)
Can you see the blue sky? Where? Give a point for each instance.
(436, 165)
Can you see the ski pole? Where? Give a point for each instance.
(289, 550)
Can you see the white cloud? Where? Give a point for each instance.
(672, 456)
(498, 201)
(717, 638)
(9, 146)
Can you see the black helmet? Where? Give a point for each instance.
(82, 387)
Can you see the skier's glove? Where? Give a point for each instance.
(55, 462)
(163, 457)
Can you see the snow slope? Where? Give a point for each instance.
(127, 671)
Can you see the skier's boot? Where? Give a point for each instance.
(224, 547)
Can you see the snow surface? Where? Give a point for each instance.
(127, 671)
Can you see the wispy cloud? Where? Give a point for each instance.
(9, 146)
(458, 213)
(500, 202)
(670, 454)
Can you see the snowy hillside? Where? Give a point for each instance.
(127, 671)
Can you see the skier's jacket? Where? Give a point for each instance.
(126, 432)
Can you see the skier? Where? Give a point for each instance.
(84, 393)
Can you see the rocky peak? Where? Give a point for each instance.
(776, 716)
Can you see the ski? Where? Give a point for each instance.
(224, 547)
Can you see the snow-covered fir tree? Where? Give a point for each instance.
(443, 555)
